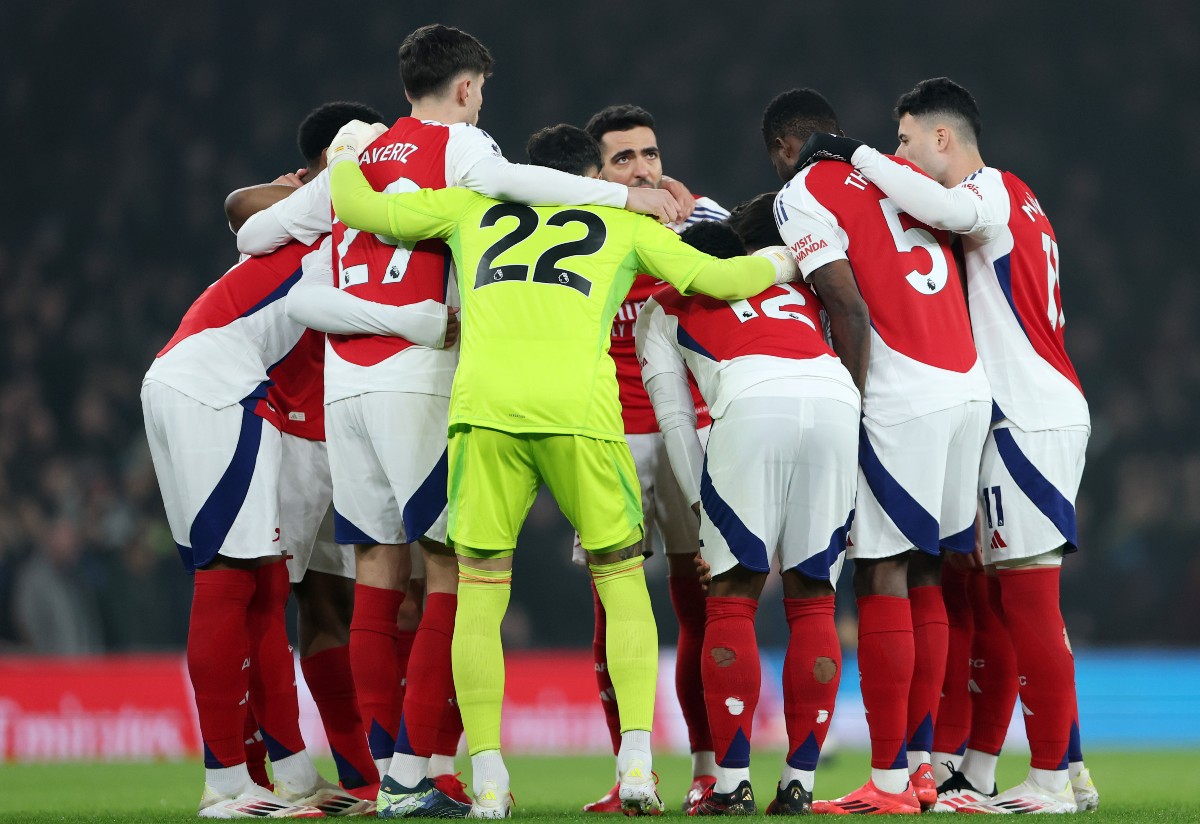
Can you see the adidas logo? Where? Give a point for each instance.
(997, 541)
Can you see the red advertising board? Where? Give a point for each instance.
(106, 708)
(140, 707)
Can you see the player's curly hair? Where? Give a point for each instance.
(754, 222)
(318, 128)
(564, 147)
(798, 113)
(713, 237)
(942, 96)
(434, 55)
(619, 118)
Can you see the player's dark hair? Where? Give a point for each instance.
(619, 118)
(434, 55)
(798, 113)
(754, 222)
(942, 96)
(319, 127)
(714, 237)
(564, 147)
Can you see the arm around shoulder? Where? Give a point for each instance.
(496, 177)
(242, 204)
(664, 255)
(303, 215)
(355, 203)
(960, 209)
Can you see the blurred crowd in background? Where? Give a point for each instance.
(127, 125)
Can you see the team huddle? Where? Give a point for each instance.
(421, 334)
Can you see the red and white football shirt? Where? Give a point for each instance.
(1016, 306)
(413, 154)
(923, 358)
(298, 388)
(235, 334)
(730, 346)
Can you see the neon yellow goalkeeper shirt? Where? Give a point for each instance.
(540, 287)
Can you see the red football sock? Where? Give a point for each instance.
(218, 646)
(1044, 662)
(272, 668)
(732, 677)
(953, 723)
(812, 670)
(930, 643)
(885, 665)
(993, 669)
(328, 676)
(256, 752)
(430, 721)
(404, 645)
(687, 597)
(608, 695)
(1075, 755)
(444, 605)
(373, 635)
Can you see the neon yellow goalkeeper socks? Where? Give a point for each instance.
(631, 639)
(477, 654)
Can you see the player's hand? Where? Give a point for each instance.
(683, 196)
(351, 139)
(784, 261)
(294, 179)
(822, 146)
(453, 327)
(658, 203)
(703, 571)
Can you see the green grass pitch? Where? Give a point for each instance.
(1154, 786)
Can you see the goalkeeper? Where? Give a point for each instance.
(535, 400)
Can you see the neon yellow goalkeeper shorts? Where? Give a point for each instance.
(495, 476)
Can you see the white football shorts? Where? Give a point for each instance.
(306, 513)
(387, 456)
(218, 470)
(669, 520)
(915, 485)
(779, 481)
(1027, 485)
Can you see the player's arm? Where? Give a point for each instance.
(243, 204)
(665, 375)
(315, 302)
(303, 215)
(968, 208)
(975, 207)
(849, 320)
(405, 216)
(689, 270)
(474, 161)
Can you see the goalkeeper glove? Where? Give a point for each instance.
(821, 146)
(784, 262)
(351, 139)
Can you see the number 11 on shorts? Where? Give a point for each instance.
(988, 494)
